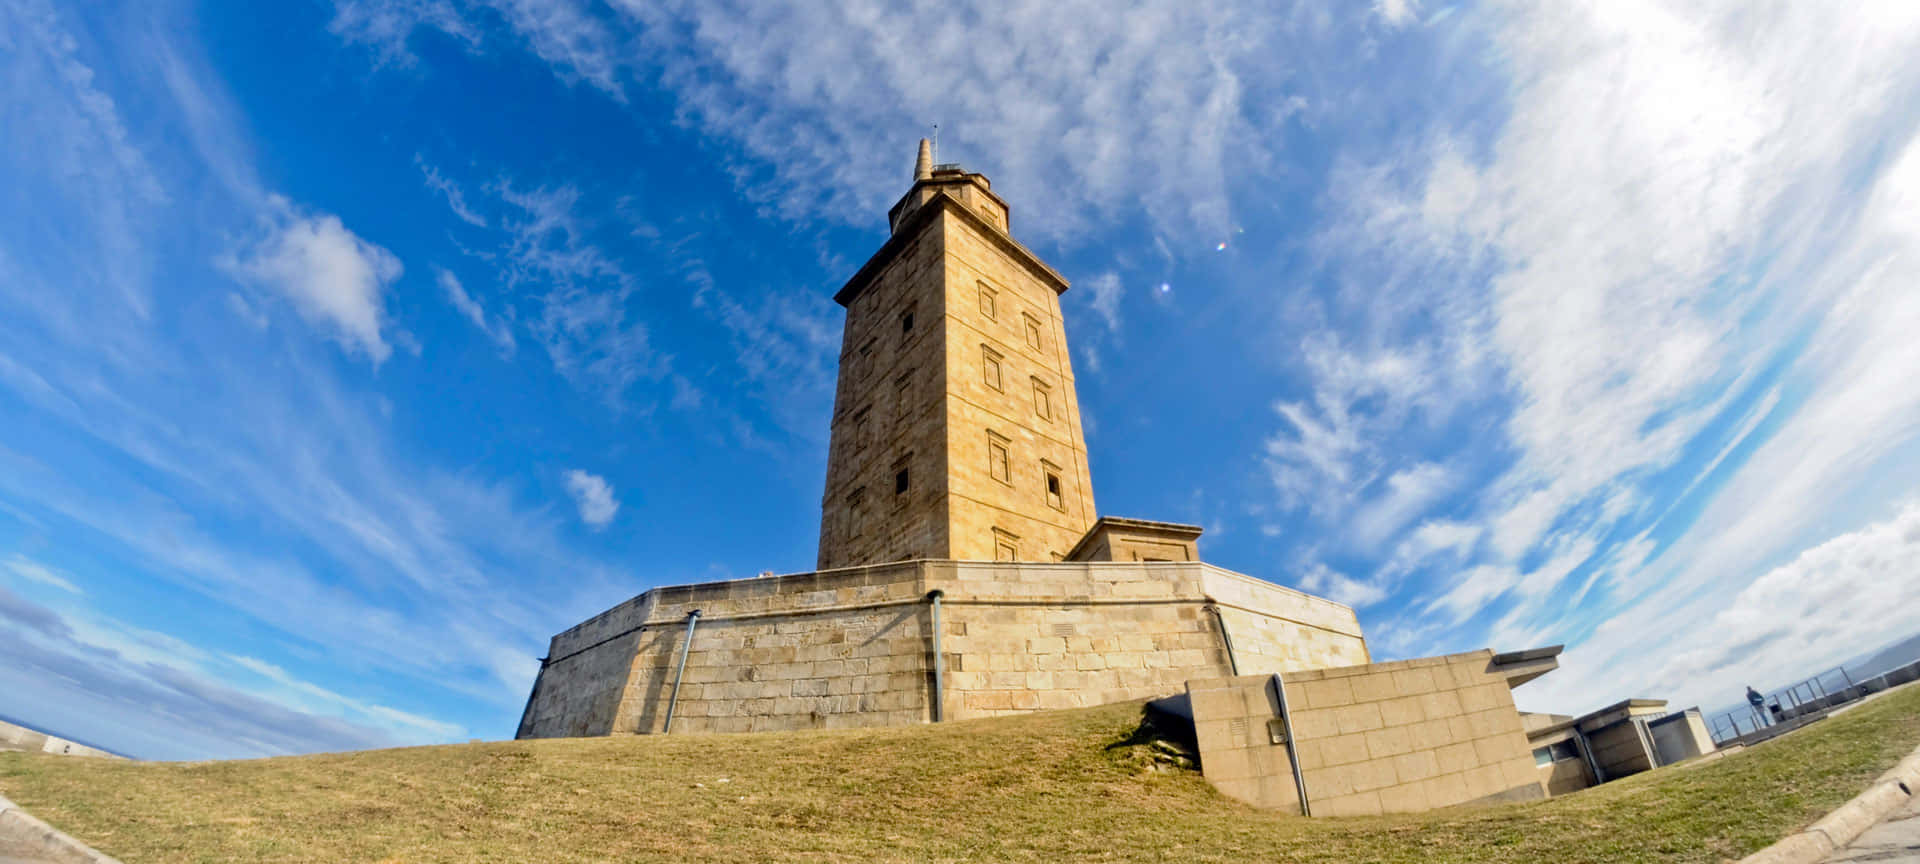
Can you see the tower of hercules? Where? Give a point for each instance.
(963, 570)
(956, 431)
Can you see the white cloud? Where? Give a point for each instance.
(1826, 605)
(385, 24)
(1436, 537)
(593, 496)
(1407, 495)
(1341, 588)
(334, 279)
(500, 332)
(1105, 302)
(281, 503)
(582, 317)
(319, 700)
(96, 679)
(449, 190)
(1146, 107)
(1396, 12)
(1671, 245)
(35, 572)
(1473, 590)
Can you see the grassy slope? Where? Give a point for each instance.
(1047, 787)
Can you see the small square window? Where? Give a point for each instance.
(900, 482)
(990, 367)
(1054, 497)
(999, 460)
(1006, 547)
(989, 301)
(1033, 332)
(856, 503)
(1042, 400)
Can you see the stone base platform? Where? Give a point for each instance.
(859, 646)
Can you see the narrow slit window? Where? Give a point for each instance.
(1033, 332)
(1054, 497)
(999, 460)
(990, 367)
(906, 322)
(989, 301)
(1042, 400)
(900, 482)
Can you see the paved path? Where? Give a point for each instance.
(1896, 840)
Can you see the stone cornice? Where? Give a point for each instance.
(909, 230)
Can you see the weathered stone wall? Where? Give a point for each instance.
(975, 399)
(581, 682)
(854, 647)
(1042, 434)
(1620, 750)
(16, 737)
(1562, 776)
(1385, 737)
(1276, 629)
(812, 650)
(1022, 637)
(889, 415)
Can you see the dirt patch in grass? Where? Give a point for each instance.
(1043, 788)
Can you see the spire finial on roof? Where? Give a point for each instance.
(923, 166)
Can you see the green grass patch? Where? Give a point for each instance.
(1048, 787)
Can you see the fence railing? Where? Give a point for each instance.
(1806, 696)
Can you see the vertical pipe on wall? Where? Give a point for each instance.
(686, 647)
(1293, 752)
(939, 661)
(1233, 662)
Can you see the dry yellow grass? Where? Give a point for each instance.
(1050, 788)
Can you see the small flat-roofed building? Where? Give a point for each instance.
(1620, 740)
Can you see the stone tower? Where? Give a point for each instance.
(956, 430)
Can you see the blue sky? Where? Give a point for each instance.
(350, 349)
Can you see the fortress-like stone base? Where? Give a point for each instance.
(856, 646)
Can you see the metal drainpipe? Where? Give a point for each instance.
(939, 660)
(1293, 753)
(686, 647)
(1233, 663)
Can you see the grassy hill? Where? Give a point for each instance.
(1056, 787)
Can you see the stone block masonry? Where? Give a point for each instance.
(1394, 737)
(854, 647)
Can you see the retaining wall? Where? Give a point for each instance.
(854, 647)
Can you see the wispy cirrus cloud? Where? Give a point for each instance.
(1148, 107)
(33, 571)
(203, 460)
(500, 331)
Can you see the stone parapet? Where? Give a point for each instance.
(855, 646)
